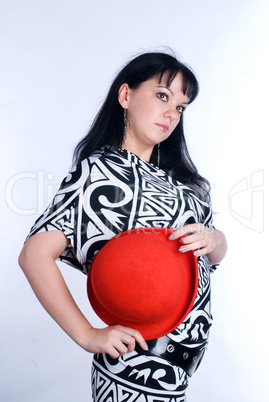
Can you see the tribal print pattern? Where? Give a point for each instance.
(112, 191)
(136, 378)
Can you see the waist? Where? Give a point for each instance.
(175, 353)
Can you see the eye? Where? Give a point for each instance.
(162, 96)
(180, 109)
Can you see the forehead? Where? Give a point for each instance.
(185, 84)
(168, 77)
(165, 80)
(168, 81)
(174, 85)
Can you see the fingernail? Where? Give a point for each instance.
(146, 347)
(182, 249)
(171, 237)
(195, 253)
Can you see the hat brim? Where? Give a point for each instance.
(130, 246)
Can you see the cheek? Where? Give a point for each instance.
(136, 116)
(176, 121)
(140, 113)
(175, 124)
(144, 111)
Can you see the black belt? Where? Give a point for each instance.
(175, 353)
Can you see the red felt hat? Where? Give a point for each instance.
(141, 280)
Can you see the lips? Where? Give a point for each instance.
(163, 127)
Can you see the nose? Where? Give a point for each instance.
(171, 113)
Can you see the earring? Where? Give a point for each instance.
(124, 123)
(158, 155)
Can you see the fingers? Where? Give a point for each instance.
(137, 337)
(195, 237)
(118, 341)
(197, 228)
(115, 340)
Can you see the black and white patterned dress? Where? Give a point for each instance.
(112, 191)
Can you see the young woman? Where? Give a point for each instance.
(136, 142)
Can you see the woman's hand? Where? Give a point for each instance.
(203, 240)
(115, 340)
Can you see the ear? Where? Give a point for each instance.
(123, 95)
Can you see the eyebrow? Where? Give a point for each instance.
(164, 86)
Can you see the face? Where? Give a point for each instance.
(153, 112)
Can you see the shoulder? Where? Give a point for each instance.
(106, 163)
(81, 171)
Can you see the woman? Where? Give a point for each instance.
(136, 142)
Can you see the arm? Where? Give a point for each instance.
(203, 240)
(37, 261)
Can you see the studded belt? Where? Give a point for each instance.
(186, 358)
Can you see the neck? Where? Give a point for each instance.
(142, 152)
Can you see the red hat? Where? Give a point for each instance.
(141, 280)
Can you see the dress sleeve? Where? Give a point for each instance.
(64, 213)
(208, 222)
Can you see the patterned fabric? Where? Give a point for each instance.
(112, 191)
(137, 378)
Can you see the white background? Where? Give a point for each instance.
(58, 59)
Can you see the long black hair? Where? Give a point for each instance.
(108, 125)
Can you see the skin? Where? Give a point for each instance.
(202, 240)
(153, 111)
(37, 261)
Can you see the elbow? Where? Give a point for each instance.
(27, 256)
(41, 248)
(218, 254)
(22, 260)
